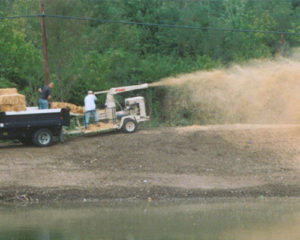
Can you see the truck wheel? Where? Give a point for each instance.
(129, 125)
(43, 137)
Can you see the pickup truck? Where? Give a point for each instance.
(37, 126)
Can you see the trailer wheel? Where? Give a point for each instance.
(129, 125)
(43, 137)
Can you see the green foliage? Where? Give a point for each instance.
(96, 55)
(4, 83)
(20, 61)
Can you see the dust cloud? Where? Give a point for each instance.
(260, 91)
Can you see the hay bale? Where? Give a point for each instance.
(6, 108)
(12, 108)
(8, 91)
(77, 109)
(80, 109)
(63, 105)
(73, 108)
(13, 99)
(18, 108)
(55, 105)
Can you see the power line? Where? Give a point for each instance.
(207, 1)
(22, 16)
(162, 25)
(171, 25)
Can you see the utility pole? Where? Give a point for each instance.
(45, 52)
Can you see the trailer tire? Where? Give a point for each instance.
(129, 125)
(43, 137)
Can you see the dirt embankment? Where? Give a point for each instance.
(195, 161)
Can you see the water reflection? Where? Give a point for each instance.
(193, 219)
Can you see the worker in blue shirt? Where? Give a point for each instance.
(45, 96)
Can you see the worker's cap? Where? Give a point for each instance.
(90, 92)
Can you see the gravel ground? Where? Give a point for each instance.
(194, 161)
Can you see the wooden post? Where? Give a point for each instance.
(45, 52)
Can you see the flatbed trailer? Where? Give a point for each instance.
(37, 126)
(82, 132)
(127, 119)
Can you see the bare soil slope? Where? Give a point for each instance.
(195, 161)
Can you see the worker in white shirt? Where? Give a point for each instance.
(90, 108)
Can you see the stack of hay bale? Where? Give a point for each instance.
(11, 100)
(73, 108)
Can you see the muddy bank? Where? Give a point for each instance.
(195, 161)
(37, 195)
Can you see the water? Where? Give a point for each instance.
(182, 219)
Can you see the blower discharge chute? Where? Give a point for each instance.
(128, 118)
